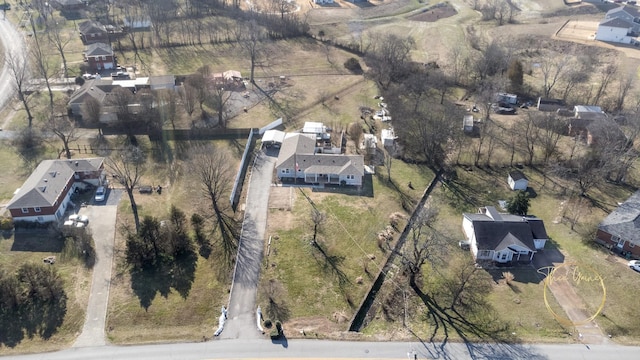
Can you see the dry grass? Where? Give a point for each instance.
(77, 282)
(170, 318)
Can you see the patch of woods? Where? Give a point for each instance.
(32, 303)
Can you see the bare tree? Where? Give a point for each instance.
(63, 128)
(425, 245)
(91, 111)
(220, 97)
(60, 40)
(625, 82)
(553, 68)
(549, 133)
(19, 71)
(318, 219)
(529, 135)
(127, 165)
(41, 60)
(189, 96)
(607, 74)
(249, 35)
(212, 167)
(168, 106)
(389, 58)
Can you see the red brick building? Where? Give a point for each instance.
(621, 229)
(46, 194)
(99, 56)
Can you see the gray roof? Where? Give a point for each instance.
(162, 80)
(47, 181)
(95, 88)
(91, 27)
(499, 231)
(98, 49)
(630, 10)
(616, 23)
(293, 145)
(624, 221)
(517, 175)
(332, 164)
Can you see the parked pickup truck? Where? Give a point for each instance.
(120, 75)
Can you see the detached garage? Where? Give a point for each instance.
(273, 138)
(517, 180)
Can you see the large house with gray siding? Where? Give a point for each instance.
(300, 160)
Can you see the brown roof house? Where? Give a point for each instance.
(46, 194)
(300, 161)
(621, 228)
(503, 238)
(93, 32)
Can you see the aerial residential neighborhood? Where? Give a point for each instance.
(319, 179)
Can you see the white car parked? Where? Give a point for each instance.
(84, 219)
(634, 265)
(100, 193)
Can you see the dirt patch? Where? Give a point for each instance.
(281, 197)
(440, 11)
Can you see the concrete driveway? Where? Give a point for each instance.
(102, 222)
(241, 323)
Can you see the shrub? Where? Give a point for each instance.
(353, 65)
(6, 224)
(508, 277)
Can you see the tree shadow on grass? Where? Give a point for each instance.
(178, 274)
(32, 318)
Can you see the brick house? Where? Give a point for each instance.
(92, 32)
(620, 230)
(46, 194)
(99, 56)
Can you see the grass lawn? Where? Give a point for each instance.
(312, 291)
(170, 317)
(77, 282)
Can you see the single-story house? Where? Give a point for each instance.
(93, 32)
(545, 104)
(99, 56)
(503, 237)
(137, 22)
(467, 123)
(299, 160)
(45, 195)
(517, 180)
(621, 228)
(68, 5)
(588, 112)
(98, 89)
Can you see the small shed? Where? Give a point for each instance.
(545, 104)
(273, 138)
(511, 99)
(467, 123)
(517, 180)
(388, 137)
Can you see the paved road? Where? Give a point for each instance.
(102, 222)
(320, 349)
(241, 323)
(13, 43)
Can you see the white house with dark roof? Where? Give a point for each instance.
(45, 195)
(621, 228)
(503, 237)
(299, 160)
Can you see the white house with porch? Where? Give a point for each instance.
(300, 162)
(503, 238)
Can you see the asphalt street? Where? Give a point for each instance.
(241, 323)
(13, 43)
(321, 349)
